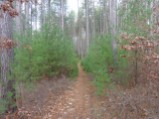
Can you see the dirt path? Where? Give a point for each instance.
(62, 99)
(75, 103)
(65, 99)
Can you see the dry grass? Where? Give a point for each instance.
(34, 100)
(140, 102)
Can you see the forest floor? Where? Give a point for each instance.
(75, 103)
(77, 99)
(62, 99)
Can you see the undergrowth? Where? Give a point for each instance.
(48, 54)
(97, 61)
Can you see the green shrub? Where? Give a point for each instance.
(49, 53)
(99, 60)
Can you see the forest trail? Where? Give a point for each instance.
(75, 103)
(62, 98)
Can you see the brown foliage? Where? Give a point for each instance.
(7, 7)
(144, 53)
(7, 43)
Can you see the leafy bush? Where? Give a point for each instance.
(99, 60)
(48, 54)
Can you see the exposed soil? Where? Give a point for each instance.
(76, 99)
(75, 103)
(62, 99)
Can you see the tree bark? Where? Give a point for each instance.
(8, 93)
(18, 18)
(26, 18)
(113, 26)
(42, 9)
(62, 14)
(87, 24)
(94, 21)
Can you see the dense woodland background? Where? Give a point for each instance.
(115, 41)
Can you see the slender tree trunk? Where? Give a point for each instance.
(78, 32)
(94, 22)
(8, 93)
(42, 12)
(31, 18)
(36, 7)
(113, 26)
(87, 24)
(104, 18)
(62, 14)
(101, 23)
(18, 18)
(49, 11)
(26, 17)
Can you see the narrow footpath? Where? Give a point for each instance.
(75, 103)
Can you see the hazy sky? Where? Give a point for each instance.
(72, 5)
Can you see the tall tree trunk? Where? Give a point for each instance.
(94, 22)
(105, 17)
(18, 18)
(8, 93)
(113, 26)
(42, 12)
(78, 32)
(49, 11)
(62, 14)
(31, 18)
(26, 17)
(87, 24)
(36, 21)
